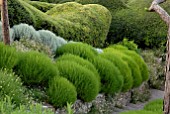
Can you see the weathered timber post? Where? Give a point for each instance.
(166, 18)
(5, 21)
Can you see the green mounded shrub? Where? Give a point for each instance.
(8, 56)
(61, 92)
(50, 39)
(81, 49)
(123, 68)
(43, 6)
(80, 61)
(140, 112)
(11, 85)
(25, 31)
(35, 68)
(111, 78)
(71, 21)
(118, 46)
(136, 73)
(84, 80)
(155, 106)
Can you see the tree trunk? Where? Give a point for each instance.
(5, 22)
(165, 17)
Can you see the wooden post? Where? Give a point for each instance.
(166, 18)
(5, 22)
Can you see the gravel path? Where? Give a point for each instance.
(155, 94)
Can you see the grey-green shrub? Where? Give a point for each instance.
(25, 31)
(80, 61)
(50, 39)
(140, 112)
(123, 68)
(155, 106)
(111, 78)
(84, 80)
(8, 56)
(35, 68)
(136, 73)
(11, 85)
(81, 49)
(61, 92)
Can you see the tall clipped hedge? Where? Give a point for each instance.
(8, 56)
(136, 73)
(80, 61)
(111, 78)
(61, 92)
(123, 68)
(35, 68)
(83, 79)
(81, 49)
(72, 21)
(50, 39)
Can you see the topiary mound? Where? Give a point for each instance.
(83, 79)
(8, 56)
(35, 68)
(80, 61)
(123, 68)
(81, 49)
(61, 92)
(11, 85)
(136, 73)
(155, 106)
(71, 21)
(50, 39)
(111, 78)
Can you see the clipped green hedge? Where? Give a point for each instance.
(123, 68)
(81, 49)
(11, 85)
(61, 92)
(140, 112)
(80, 61)
(8, 56)
(111, 78)
(83, 79)
(35, 68)
(72, 21)
(136, 73)
(155, 106)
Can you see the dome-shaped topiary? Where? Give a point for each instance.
(83, 79)
(111, 79)
(50, 39)
(35, 68)
(80, 61)
(8, 56)
(61, 91)
(25, 31)
(123, 68)
(81, 49)
(136, 73)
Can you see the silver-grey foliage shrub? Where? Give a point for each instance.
(50, 39)
(25, 31)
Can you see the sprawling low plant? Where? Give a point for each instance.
(135, 70)
(83, 79)
(80, 61)
(123, 68)
(77, 48)
(11, 85)
(61, 92)
(8, 56)
(140, 112)
(111, 78)
(50, 39)
(35, 68)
